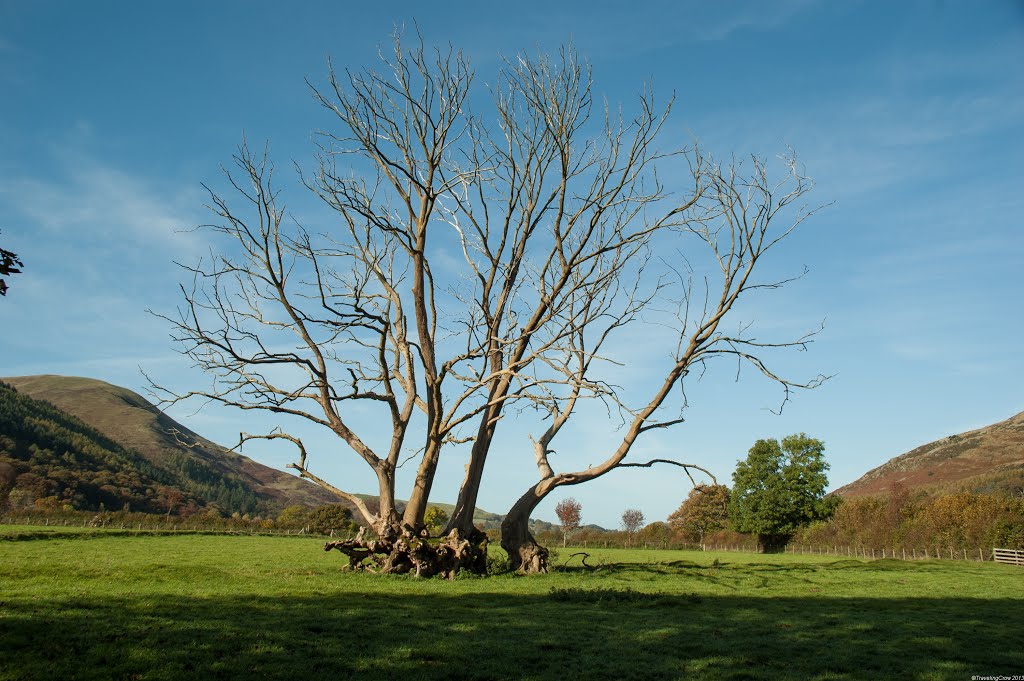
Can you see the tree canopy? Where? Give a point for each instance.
(632, 520)
(435, 519)
(10, 263)
(779, 488)
(705, 510)
(570, 514)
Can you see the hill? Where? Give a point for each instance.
(192, 462)
(51, 459)
(988, 459)
(148, 440)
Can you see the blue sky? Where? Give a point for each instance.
(909, 116)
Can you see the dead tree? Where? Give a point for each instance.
(358, 328)
(329, 326)
(735, 221)
(555, 215)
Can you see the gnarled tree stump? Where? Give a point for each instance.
(407, 553)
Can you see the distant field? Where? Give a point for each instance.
(205, 606)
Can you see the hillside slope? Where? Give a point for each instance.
(134, 423)
(49, 459)
(983, 460)
(187, 459)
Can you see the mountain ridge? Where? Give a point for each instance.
(983, 459)
(133, 422)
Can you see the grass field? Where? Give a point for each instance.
(93, 606)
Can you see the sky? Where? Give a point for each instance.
(909, 117)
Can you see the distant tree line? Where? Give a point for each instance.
(328, 519)
(778, 497)
(959, 520)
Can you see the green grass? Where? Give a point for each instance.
(202, 606)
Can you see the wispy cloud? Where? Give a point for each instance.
(758, 16)
(887, 121)
(98, 200)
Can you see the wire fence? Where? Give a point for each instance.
(164, 525)
(160, 524)
(937, 552)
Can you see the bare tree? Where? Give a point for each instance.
(734, 221)
(569, 512)
(340, 329)
(632, 520)
(360, 329)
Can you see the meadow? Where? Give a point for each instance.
(95, 605)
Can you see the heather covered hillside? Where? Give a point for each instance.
(986, 460)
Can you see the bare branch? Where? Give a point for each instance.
(685, 466)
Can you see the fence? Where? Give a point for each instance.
(622, 544)
(1009, 556)
(897, 552)
(160, 524)
(863, 552)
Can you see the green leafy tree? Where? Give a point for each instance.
(779, 488)
(331, 517)
(658, 533)
(9, 264)
(435, 519)
(293, 516)
(705, 510)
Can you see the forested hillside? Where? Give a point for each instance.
(50, 459)
(130, 420)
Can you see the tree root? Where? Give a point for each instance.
(528, 557)
(582, 560)
(407, 553)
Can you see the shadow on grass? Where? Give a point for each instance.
(718, 573)
(565, 634)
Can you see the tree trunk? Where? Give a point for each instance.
(412, 518)
(465, 505)
(772, 543)
(399, 549)
(387, 524)
(524, 553)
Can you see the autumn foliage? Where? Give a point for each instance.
(569, 512)
(961, 520)
(705, 510)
